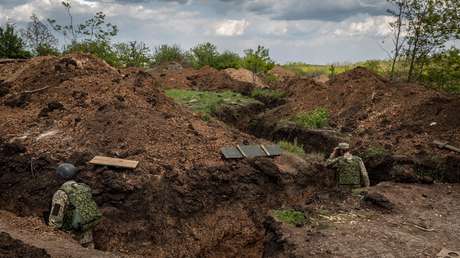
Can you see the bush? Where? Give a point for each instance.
(293, 148)
(375, 152)
(315, 119)
(132, 54)
(166, 54)
(101, 49)
(203, 55)
(290, 216)
(228, 60)
(444, 71)
(11, 44)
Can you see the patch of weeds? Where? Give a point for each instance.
(433, 167)
(207, 102)
(315, 119)
(291, 217)
(375, 152)
(294, 148)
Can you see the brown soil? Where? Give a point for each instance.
(11, 248)
(424, 221)
(246, 76)
(206, 78)
(405, 118)
(182, 201)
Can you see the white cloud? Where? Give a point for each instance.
(232, 27)
(373, 25)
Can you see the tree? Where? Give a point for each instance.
(133, 54)
(165, 54)
(258, 61)
(422, 28)
(203, 54)
(11, 44)
(39, 38)
(430, 25)
(443, 71)
(93, 29)
(397, 28)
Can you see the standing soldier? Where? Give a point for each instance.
(351, 171)
(74, 209)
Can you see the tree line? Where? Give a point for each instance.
(95, 36)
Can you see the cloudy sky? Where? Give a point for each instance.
(312, 31)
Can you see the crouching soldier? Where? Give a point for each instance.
(351, 171)
(74, 209)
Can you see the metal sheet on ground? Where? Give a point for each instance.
(273, 150)
(231, 153)
(252, 151)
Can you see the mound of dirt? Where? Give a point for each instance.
(10, 248)
(282, 73)
(206, 78)
(244, 75)
(404, 118)
(182, 201)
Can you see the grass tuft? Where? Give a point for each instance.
(294, 148)
(315, 119)
(290, 216)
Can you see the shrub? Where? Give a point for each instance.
(293, 148)
(444, 71)
(132, 54)
(203, 55)
(228, 60)
(290, 216)
(166, 54)
(101, 49)
(317, 118)
(375, 152)
(11, 44)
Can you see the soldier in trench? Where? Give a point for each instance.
(74, 209)
(351, 171)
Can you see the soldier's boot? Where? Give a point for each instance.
(86, 239)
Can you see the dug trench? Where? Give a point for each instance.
(394, 159)
(206, 212)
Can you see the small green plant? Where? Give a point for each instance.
(290, 216)
(166, 53)
(294, 147)
(375, 152)
(315, 119)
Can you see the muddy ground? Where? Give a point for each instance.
(184, 200)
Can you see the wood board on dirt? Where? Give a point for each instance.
(113, 162)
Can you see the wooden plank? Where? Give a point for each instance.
(112, 162)
(445, 145)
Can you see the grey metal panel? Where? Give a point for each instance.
(231, 153)
(273, 150)
(252, 151)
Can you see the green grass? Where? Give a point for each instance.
(375, 152)
(293, 148)
(206, 102)
(315, 119)
(268, 93)
(290, 216)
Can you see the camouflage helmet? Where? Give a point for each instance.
(343, 146)
(66, 170)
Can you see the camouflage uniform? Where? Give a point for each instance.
(351, 171)
(73, 209)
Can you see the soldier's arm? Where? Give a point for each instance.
(364, 174)
(330, 162)
(58, 205)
